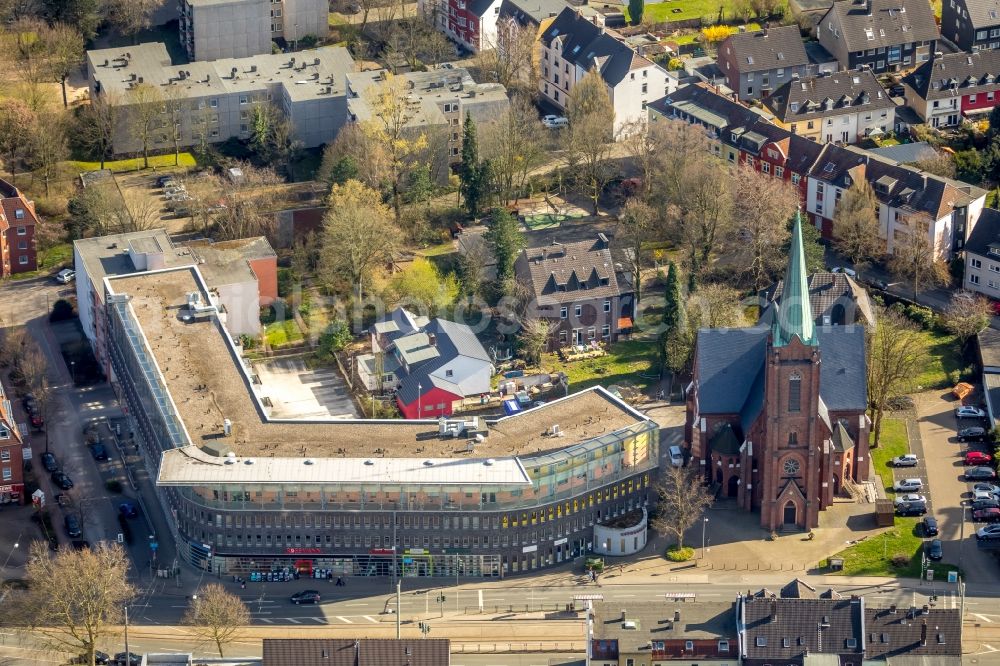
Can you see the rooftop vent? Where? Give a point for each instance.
(230, 458)
(489, 462)
(307, 461)
(227, 427)
(428, 463)
(369, 462)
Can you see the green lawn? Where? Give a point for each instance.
(663, 12)
(893, 442)
(943, 365)
(50, 259)
(282, 333)
(135, 164)
(436, 250)
(622, 365)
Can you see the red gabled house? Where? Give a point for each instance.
(17, 231)
(11, 455)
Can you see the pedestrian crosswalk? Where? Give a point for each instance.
(313, 620)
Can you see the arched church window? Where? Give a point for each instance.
(794, 392)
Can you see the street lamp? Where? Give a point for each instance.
(72, 371)
(16, 545)
(420, 390)
(704, 524)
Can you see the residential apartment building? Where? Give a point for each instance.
(573, 45)
(909, 200)
(757, 63)
(12, 445)
(533, 15)
(356, 652)
(972, 25)
(881, 35)
(438, 98)
(744, 135)
(18, 222)
(982, 256)
(578, 289)
(471, 23)
(844, 107)
(215, 101)
(217, 29)
(243, 273)
(954, 86)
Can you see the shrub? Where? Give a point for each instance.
(900, 559)
(675, 554)
(335, 337)
(61, 310)
(675, 64)
(113, 486)
(920, 315)
(248, 341)
(308, 41)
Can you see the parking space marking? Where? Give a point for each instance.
(344, 619)
(370, 619)
(984, 618)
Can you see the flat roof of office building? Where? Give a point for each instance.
(306, 74)
(207, 383)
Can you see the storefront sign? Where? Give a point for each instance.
(6, 489)
(303, 551)
(415, 551)
(381, 551)
(559, 542)
(529, 549)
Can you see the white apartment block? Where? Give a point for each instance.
(574, 44)
(982, 256)
(215, 29)
(216, 99)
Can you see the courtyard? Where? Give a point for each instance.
(296, 391)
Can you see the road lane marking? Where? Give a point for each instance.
(294, 620)
(480, 599)
(344, 619)
(370, 618)
(268, 620)
(984, 618)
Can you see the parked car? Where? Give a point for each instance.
(910, 497)
(906, 460)
(72, 526)
(49, 462)
(128, 509)
(929, 526)
(980, 474)
(992, 503)
(986, 515)
(982, 495)
(897, 90)
(165, 181)
(990, 532)
(65, 276)
(174, 189)
(846, 271)
(967, 412)
(29, 403)
(98, 451)
(306, 597)
(977, 458)
(974, 434)
(132, 659)
(36, 420)
(555, 122)
(908, 485)
(60, 479)
(987, 487)
(911, 509)
(935, 551)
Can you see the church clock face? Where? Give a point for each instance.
(791, 467)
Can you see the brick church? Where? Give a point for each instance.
(776, 412)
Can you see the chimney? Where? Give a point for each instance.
(432, 340)
(623, 615)
(774, 610)
(868, 7)
(677, 616)
(923, 634)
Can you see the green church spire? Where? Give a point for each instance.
(794, 313)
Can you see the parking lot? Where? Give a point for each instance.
(948, 494)
(297, 391)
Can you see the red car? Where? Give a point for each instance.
(986, 515)
(977, 458)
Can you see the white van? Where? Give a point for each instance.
(676, 456)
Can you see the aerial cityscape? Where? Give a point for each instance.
(500, 332)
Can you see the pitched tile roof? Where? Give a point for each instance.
(924, 632)
(531, 12)
(766, 49)
(956, 74)
(351, 652)
(986, 234)
(826, 291)
(568, 272)
(588, 45)
(843, 382)
(15, 210)
(982, 12)
(828, 94)
(888, 23)
(451, 340)
(790, 628)
(728, 360)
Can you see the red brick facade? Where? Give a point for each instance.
(17, 231)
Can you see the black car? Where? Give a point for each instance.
(72, 526)
(99, 658)
(911, 509)
(132, 660)
(985, 504)
(61, 480)
(98, 451)
(29, 403)
(975, 434)
(935, 550)
(306, 597)
(980, 474)
(49, 462)
(929, 526)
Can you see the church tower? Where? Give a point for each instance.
(791, 460)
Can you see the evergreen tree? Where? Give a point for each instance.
(472, 174)
(635, 10)
(506, 241)
(675, 341)
(673, 307)
(814, 250)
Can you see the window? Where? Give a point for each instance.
(795, 392)
(779, 172)
(976, 263)
(5, 455)
(995, 268)
(645, 86)
(607, 306)
(793, 439)
(22, 245)
(795, 179)
(689, 645)
(21, 231)
(765, 167)
(723, 646)
(7, 475)
(23, 260)
(974, 279)
(605, 331)
(19, 214)
(972, 98)
(578, 310)
(591, 333)
(563, 312)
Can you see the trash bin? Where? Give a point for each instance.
(836, 563)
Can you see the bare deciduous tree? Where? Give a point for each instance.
(589, 135)
(703, 214)
(531, 339)
(249, 204)
(967, 315)
(895, 354)
(682, 499)
(16, 121)
(510, 59)
(48, 145)
(762, 206)
(855, 226)
(514, 145)
(715, 306)
(26, 46)
(98, 124)
(64, 46)
(636, 224)
(145, 105)
(914, 258)
(75, 599)
(217, 615)
(131, 17)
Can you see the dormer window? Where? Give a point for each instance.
(794, 106)
(870, 34)
(19, 214)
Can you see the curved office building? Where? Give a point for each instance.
(247, 493)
